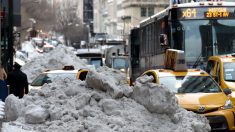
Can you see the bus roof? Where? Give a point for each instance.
(205, 4)
(183, 5)
(163, 12)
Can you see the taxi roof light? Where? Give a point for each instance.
(68, 67)
(219, 3)
(210, 3)
(202, 73)
(201, 3)
(175, 60)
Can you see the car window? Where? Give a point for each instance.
(40, 80)
(49, 77)
(190, 84)
(120, 63)
(97, 62)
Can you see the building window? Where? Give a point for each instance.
(150, 11)
(143, 12)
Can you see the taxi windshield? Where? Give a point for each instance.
(229, 71)
(190, 84)
(48, 77)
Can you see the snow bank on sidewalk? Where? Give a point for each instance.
(96, 110)
(55, 59)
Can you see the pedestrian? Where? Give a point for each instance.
(17, 81)
(3, 86)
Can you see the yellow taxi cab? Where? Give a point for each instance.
(196, 91)
(67, 73)
(222, 69)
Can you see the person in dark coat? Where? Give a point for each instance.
(17, 81)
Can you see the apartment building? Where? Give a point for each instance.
(117, 17)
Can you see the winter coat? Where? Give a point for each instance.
(18, 82)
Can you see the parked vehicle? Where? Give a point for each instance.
(67, 73)
(91, 56)
(222, 69)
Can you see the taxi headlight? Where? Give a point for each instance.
(122, 70)
(228, 105)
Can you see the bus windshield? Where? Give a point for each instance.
(203, 38)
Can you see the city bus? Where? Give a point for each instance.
(200, 29)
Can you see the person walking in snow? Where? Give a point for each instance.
(17, 81)
(3, 85)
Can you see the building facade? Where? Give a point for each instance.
(118, 17)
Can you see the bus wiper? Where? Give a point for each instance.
(197, 61)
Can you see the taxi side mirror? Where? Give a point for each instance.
(227, 91)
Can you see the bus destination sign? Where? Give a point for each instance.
(217, 13)
(206, 13)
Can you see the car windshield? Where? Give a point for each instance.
(97, 62)
(190, 84)
(229, 71)
(120, 63)
(48, 77)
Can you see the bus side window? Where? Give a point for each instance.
(154, 78)
(210, 67)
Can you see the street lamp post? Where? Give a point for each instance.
(10, 35)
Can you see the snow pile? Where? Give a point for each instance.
(159, 99)
(110, 80)
(30, 50)
(80, 106)
(154, 96)
(55, 59)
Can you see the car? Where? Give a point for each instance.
(222, 69)
(197, 91)
(67, 73)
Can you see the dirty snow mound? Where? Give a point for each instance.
(159, 99)
(154, 96)
(110, 80)
(55, 59)
(92, 109)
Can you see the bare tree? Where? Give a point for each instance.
(68, 23)
(43, 13)
(62, 17)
